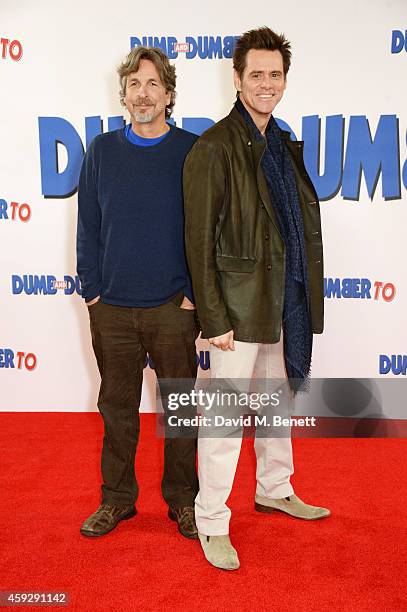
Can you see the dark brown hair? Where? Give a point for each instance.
(262, 38)
(165, 70)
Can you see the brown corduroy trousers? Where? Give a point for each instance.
(121, 338)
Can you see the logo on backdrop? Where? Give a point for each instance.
(202, 47)
(14, 211)
(398, 41)
(32, 284)
(11, 49)
(396, 364)
(359, 288)
(365, 157)
(17, 359)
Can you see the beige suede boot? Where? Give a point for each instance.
(292, 505)
(219, 551)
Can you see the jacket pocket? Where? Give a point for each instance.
(228, 263)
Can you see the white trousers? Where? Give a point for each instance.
(218, 457)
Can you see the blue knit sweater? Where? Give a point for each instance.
(130, 240)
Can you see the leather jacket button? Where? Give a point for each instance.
(263, 207)
(269, 267)
(266, 237)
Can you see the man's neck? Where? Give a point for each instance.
(149, 130)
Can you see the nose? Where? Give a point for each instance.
(142, 92)
(266, 82)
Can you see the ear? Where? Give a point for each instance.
(167, 98)
(124, 86)
(237, 81)
(124, 101)
(285, 82)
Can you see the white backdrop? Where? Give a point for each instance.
(343, 64)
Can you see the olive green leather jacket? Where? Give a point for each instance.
(235, 252)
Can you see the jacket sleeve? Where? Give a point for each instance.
(88, 229)
(205, 190)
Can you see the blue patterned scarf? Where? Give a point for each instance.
(279, 173)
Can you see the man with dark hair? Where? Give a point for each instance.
(135, 282)
(253, 239)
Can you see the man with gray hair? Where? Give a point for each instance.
(136, 285)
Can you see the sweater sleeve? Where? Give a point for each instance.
(188, 290)
(88, 229)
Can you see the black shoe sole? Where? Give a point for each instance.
(268, 510)
(92, 534)
(190, 536)
(261, 508)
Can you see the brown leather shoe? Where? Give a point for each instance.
(105, 519)
(185, 517)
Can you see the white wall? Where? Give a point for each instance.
(342, 65)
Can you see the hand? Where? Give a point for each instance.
(187, 304)
(224, 342)
(96, 299)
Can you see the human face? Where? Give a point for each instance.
(146, 97)
(262, 84)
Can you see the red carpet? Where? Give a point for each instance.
(354, 560)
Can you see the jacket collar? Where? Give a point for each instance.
(236, 117)
(295, 148)
(257, 148)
